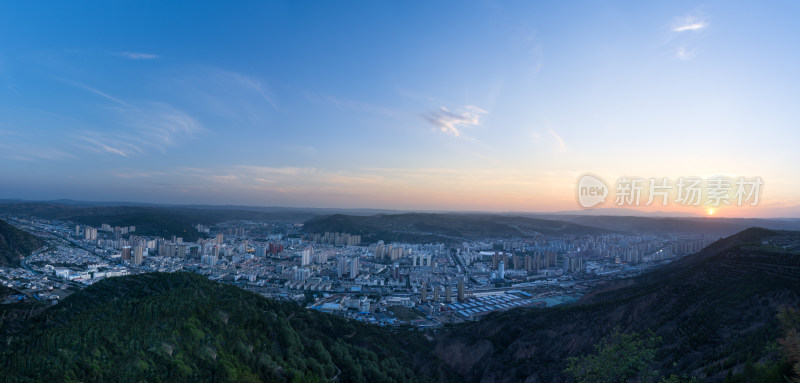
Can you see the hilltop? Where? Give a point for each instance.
(183, 327)
(15, 244)
(715, 311)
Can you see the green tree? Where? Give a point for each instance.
(790, 321)
(618, 357)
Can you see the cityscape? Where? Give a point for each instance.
(387, 284)
(490, 191)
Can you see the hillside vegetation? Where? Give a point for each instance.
(182, 327)
(715, 313)
(15, 244)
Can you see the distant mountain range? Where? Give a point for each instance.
(373, 225)
(149, 220)
(454, 227)
(438, 227)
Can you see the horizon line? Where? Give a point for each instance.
(578, 212)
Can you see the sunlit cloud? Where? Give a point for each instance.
(139, 56)
(379, 187)
(453, 123)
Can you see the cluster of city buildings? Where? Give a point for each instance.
(433, 283)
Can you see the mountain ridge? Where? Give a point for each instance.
(15, 244)
(184, 327)
(712, 312)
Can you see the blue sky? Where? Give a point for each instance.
(473, 105)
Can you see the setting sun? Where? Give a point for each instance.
(710, 212)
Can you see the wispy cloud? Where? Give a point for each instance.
(159, 124)
(554, 141)
(21, 151)
(139, 55)
(452, 123)
(242, 81)
(110, 144)
(153, 125)
(130, 174)
(243, 98)
(685, 53)
(305, 150)
(99, 93)
(684, 41)
(560, 145)
(351, 105)
(688, 23)
(478, 188)
(136, 127)
(22, 139)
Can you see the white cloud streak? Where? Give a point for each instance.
(139, 56)
(110, 144)
(99, 93)
(682, 25)
(688, 23)
(690, 27)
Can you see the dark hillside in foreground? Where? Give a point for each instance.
(15, 244)
(183, 327)
(716, 311)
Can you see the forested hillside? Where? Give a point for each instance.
(15, 244)
(184, 328)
